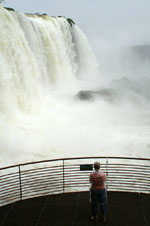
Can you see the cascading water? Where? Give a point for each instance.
(39, 56)
(36, 52)
(44, 62)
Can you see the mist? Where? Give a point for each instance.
(92, 100)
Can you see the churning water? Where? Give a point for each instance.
(44, 64)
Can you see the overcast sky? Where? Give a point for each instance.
(105, 22)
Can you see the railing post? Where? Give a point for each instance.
(63, 177)
(20, 183)
(106, 172)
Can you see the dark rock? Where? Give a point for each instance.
(108, 95)
(10, 9)
(86, 95)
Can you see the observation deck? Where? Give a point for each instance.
(56, 192)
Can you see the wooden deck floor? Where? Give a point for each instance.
(72, 209)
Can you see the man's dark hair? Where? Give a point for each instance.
(96, 165)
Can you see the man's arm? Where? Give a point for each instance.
(91, 178)
(103, 177)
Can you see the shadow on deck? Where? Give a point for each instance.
(124, 209)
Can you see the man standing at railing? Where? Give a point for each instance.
(98, 193)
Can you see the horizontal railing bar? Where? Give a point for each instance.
(10, 188)
(110, 179)
(12, 195)
(126, 175)
(41, 191)
(57, 168)
(77, 158)
(24, 179)
(129, 182)
(126, 172)
(48, 177)
(28, 191)
(9, 179)
(37, 192)
(41, 178)
(128, 168)
(8, 175)
(110, 164)
(123, 183)
(137, 181)
(39, 185)
(41, 194)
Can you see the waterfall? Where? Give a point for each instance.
(43, 62)
(36, 52)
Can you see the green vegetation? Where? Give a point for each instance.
(70, 21)
(40, 14)
(10, 9)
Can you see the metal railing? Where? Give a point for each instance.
(48, 177)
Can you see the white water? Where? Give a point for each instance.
(44, 63)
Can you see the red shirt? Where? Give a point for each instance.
(97, 180)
